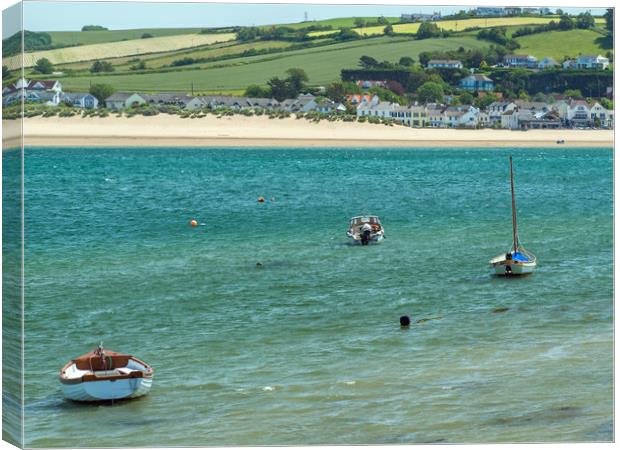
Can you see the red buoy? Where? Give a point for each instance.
(194, 223)
(261, 199)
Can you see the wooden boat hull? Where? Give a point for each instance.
(96, 391)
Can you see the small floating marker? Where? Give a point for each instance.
(272, 199)
(261, 199)
(193, 223)
(259, 264)
(404, 321)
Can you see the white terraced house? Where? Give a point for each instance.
(381, 109)
(496, 109)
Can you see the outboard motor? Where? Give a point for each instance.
(365, 237)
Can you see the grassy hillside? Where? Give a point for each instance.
(559, 44)
(117, 49)
(99, 37)
(322, 64)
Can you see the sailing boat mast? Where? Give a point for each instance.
(514, 209)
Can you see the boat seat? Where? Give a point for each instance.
(93, 362)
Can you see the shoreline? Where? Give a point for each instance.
(241, 131)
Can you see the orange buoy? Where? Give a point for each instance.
(194, 223)
(261, 199)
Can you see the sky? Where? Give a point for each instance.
(122, 15)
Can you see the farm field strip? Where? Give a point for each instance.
(321, 66)
(103, 36)
(117, 49)
(452, 25)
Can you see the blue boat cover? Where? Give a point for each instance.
(518, 256)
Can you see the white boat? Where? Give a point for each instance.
(103, 375)
(365, 230)
(516, 261)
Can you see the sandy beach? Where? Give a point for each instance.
(239, 131)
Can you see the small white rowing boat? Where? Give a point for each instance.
(517, 261)
(103, 375)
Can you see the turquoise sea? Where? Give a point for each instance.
(306, 348)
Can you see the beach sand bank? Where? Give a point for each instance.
(242, 131)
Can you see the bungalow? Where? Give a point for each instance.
(263, 103)
(476, 83)
(521, 61)
(444, 64)
(80, 100)
(303, 103)
(163, 98)
(569, 64)
(548, 63)
(124, 100)
(592, 62)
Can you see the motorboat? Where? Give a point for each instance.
(516, 261)
(103, 375)
(365, 230)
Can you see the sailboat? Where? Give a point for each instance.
(517, 261)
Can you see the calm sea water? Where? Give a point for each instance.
(306, 349)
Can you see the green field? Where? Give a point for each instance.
(559, 44)
(322, 65)
(98, 37)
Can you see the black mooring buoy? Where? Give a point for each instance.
(404, 321)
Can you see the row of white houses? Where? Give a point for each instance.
(516, 114)
(303, 103)
(511, 115)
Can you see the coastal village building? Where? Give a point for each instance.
(461, 116)
(496, 109)
(48, 92)
(521, 61)
(597, 62)
(434, 115)
(366, 84)
(418, 17)
(548, 63)
(363, 99)
(124, 100)
(445, 64)
(476, 83)
(80, 100)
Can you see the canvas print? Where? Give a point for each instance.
(237, 224)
